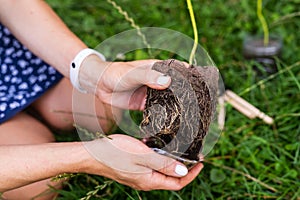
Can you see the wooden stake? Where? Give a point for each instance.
(245, 107)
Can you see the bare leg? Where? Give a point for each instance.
(56, 108)
(24, 129)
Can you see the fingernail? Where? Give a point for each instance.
(162, 80)
(181, 170)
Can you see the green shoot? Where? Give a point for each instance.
(263, 22)
(192, 16)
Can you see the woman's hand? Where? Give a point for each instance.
(122, 158)
(130, 162)
(121, 83)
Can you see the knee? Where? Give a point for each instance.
(60, 121)
(39, 191)
(103, 119)
(24, 129)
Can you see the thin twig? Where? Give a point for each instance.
(288, 115)
(81, 114)
(259, 196)
(98, 188)
(284, 18)
(219, 157)
(243, 174)
(64, 176)
(96, 135)
(132, 23)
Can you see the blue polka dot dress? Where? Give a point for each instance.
(23, 76)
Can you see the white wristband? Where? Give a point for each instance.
(76, 64)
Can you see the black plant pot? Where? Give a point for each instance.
(254, 49)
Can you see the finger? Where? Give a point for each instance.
(162, 164)
(132, 100)
(138, 99)
(176, 169)
(146, 157)
(173, 183)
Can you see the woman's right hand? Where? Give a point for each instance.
(130, 162)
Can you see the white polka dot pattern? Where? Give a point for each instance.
(23, 76)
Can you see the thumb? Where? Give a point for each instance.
(157, 80)
(144, 75)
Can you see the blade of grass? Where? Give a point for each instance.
(243, 174)
(177, 195)
(123, 190)
(137, 193)
(280, 63)
(269, 78)
(291, 73)
(296, 158)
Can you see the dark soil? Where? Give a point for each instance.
(177, 119)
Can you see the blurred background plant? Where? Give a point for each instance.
(251, 160)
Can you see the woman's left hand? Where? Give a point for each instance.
(121, 84)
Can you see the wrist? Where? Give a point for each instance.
(91, 72)
(85, 80)
(79, 159)
(88, 163)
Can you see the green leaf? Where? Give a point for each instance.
(291, 147)
(293, 173)
(140, 54)
(217, 175)
(278, 167)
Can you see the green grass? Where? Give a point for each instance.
(251, 160)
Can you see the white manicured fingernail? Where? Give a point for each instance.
(162, 80)
(181, 170)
